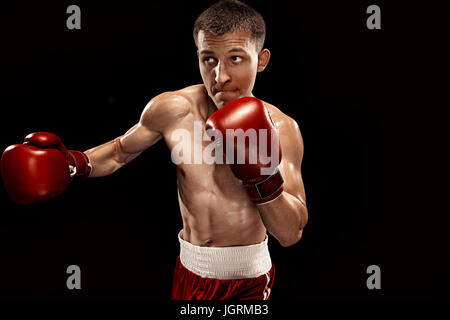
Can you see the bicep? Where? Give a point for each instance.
(138, 138)
(160, 113)
(290, 168)
(146, 132)
(293, 181)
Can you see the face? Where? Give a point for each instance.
(228, 65)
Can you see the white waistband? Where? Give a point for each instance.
(226, 263)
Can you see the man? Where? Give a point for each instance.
(226, 212)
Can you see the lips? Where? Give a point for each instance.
(225, 94)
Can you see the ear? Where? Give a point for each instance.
(263, 59)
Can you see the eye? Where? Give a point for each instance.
(209, 60)
(236, 58)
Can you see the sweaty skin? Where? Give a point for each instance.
(215, 208)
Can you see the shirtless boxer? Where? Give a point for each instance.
(223, 243)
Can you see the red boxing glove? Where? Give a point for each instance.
(41, 168)
(248, 117)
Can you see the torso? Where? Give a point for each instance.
(214, 205)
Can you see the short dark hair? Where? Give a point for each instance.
(231, 15)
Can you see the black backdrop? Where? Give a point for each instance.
(367, 101)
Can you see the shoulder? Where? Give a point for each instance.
(169, 107)
(170, 104)
(290, 136)
(284, 122)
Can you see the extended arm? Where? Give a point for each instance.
(42, 167)
(109, 157)
(159, 114)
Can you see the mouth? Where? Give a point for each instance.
(225, 94)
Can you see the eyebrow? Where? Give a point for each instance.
(229, 51)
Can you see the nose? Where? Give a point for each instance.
(221, 74)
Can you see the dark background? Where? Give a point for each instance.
(369, 104)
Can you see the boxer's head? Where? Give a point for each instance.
(230, 37)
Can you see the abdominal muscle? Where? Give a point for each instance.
(215, 209)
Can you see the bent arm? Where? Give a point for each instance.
(286, 217)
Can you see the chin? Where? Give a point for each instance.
(221, 104)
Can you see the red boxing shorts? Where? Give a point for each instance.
(222, 273)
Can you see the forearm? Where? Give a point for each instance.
(284, 218)
(107, 158)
